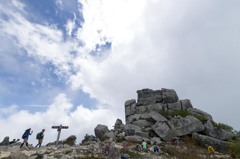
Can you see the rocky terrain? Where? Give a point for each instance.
(157, 116)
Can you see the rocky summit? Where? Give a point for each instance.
(160, 118)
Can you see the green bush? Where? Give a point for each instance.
(182, 113)
(222, 126)
(234, 148)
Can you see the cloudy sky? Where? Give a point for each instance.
(76, 62)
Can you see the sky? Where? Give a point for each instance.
(76, 62)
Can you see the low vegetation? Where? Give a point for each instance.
(234, 148)
(222, 126)
(182, 113)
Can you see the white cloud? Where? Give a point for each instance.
(80, 120)
(70, 25)
(8, 110)
(185, 45)
(59, 4)
(179, 45)
(43, 42)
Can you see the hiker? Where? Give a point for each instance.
(25, 137)
(210, 150)
(155, 148)
(14, 141)
(123, 156)
(144, 145)
(39, 137)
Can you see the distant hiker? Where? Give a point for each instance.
(210, 150)
(155, 148)
(123, 156)
(14, 141)
(144, 145)
(39, 137)
(25, 137)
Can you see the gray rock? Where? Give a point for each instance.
(118, 124)
(205, 141)
(146, 116)
(130, 102)
(132, 118)
(186, 103)
(142, 134)
(175, 106)
(142, 123)
(114, 153)
(169, 95)
(142, 109)
(155, 107)
(157, 117)
(196, 111)
(161, 129)
(156, 140)
(17, 155)
(100, 130)
(220, 134)
(185, 126)
(148, 96)
(131, 129)
(135, 138)
(109, 135)
(130, 109)
(5, 141)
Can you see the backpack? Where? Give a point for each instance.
(39, 135)
(24, 135)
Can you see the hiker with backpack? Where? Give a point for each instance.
(39, 137)
(25, 137)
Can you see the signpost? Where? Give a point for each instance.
(59, 128)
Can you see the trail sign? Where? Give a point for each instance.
(59, 128)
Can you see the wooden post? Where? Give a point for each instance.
(59, 128)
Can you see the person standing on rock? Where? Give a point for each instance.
(25, 137)
(144, 145)
(39, 137)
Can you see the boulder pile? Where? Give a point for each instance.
(159, 115)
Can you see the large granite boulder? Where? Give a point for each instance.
(130, 107)
(196, 111)
(205, 141)
(169, 95)
(100, 131)
(179, 105)
(131, 129)
(141, 109)
(118, 124)
(185, 126)
(157, 117)
(135, 138)
(161, 129)
(142, 123)
(149, 96)
(177, 126)
(70, 140)
(158, 107)
(217, 133)
(174, 106)
(5, 141)
(186, 103)
(132, 118)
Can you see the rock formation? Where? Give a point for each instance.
(159, 114)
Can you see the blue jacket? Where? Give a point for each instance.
(26, 134)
